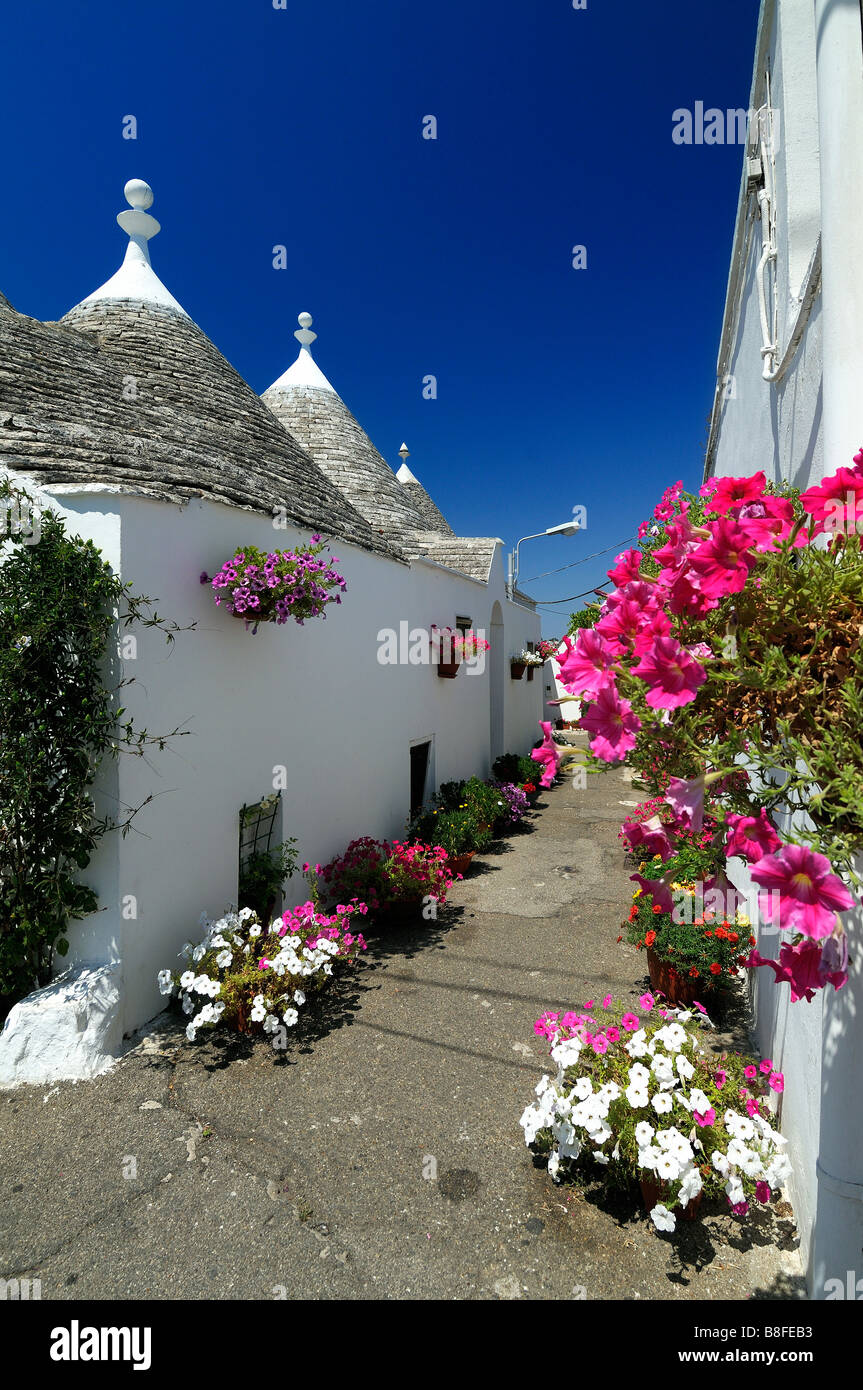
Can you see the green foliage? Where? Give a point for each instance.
(586, 617)
(262, 875)
(59, 603)
(700, 945)
(514, 767)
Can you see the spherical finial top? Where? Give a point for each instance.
(305, 320)
(138, 194)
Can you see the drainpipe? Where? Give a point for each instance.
(838, 1237)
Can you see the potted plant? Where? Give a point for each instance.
(254, 978)
(394, 879)
(456, 830)
(262, 875)
(530, 660)
(517, 667)
(637, 1099)
(692, 952)
(282, 584)
(451, 647)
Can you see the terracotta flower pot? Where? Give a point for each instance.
(678, 989)
(516, 670)
(653, 1192)
(448, 670)
(460, 863)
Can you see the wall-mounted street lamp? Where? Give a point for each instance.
(567, 528)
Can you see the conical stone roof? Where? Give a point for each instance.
(129, 394)
(311, 410)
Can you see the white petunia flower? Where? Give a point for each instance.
(637, 1097)
(667, 1167)
(554, 1165)
(643, 1134)
(290, 1017)
(662, 1218)
(637, 1045)
(721, 1163)
(685, 1069)
(690, 1186)
(166, 984)
(188, 1004)
(648, 1156)
(299, 997)
(223, 960)
(662, 1103)
(191, 1034)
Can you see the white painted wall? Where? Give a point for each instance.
(805, 426)
(314, 699)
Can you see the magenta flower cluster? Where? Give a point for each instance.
(283, 584)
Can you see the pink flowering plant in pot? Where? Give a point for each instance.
(382, 874)
(638, 1099)
(254, 977)
(726, 666)
(282, 584)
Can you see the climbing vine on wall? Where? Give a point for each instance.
(60, 607)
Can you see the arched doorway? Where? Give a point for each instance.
(497, 666)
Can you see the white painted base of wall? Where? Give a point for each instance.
(70, 1030)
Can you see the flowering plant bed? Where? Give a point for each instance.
(547, 649)
(458, 830)
(529, 658)
(271, 588)
(734, 634)
(637, 1098)
(254, 978)
(692, 942)
(381, 873)
(514, 767)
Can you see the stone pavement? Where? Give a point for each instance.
(380, 1156)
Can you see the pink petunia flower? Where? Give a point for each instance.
(659, 890)
(723, 563)
(646, 1002)
(732, 492)
(587, 665)
(671, 673)
(612, 722)
(776, 1081)
(600, 1044)
(547, 754)
(705, 1118)
(631, 1022)
(766, 1066)
(763, 1192)
(613, 1034)
(686, 799)
(627, 566)
(751, 837)
(810, 894)
(607, 1002)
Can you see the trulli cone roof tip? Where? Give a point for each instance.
(305, 371)
(136, 279)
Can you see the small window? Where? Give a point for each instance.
(419, 775)
(464, 624)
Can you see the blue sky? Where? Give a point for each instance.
(453, 257)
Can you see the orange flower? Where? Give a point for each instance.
(650, 938)
(694, 973)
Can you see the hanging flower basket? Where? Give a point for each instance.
(448, 670)
(517, 670)
(282, 584)
(530, 671)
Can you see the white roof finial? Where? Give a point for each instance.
(404, 453)
(404, 474)
(137, 222)
(305, 371)
(304, 334)
(135, 279)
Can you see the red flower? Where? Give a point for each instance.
(656, 907)
(694, 973)
(650, 938)
(716, 968)
(620, 938)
